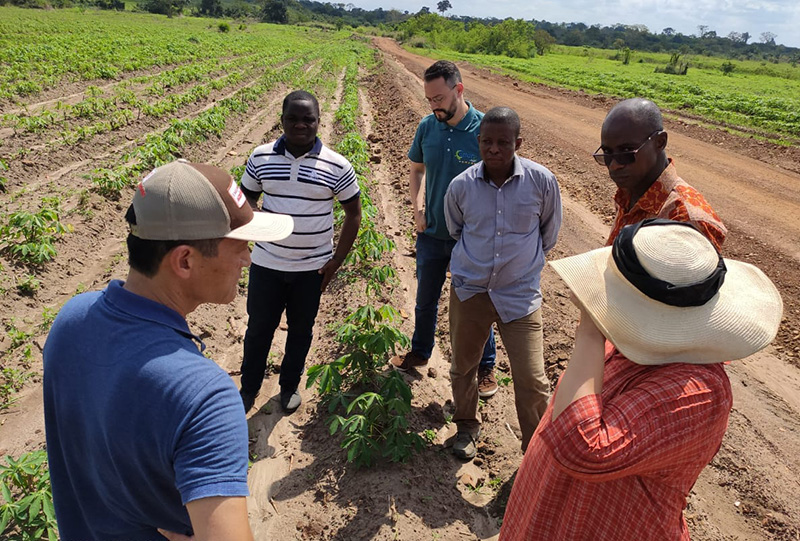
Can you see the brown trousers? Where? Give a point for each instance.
(470, 323)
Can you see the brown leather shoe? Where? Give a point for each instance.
(408, 361)
(487, 385)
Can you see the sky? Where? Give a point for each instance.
(781, 17)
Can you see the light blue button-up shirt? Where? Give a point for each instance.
(503, 235)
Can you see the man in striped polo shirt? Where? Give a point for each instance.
(298, 176)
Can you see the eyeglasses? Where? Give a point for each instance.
(622, 158)
(440, 98)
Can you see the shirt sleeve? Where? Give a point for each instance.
(250, 178)
(668, 417)
(550, 216)
(453, 215)
(346, 187)
(415, 152)
(211, 457)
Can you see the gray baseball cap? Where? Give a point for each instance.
(192, 201)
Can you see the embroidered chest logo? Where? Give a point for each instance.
(467, 157)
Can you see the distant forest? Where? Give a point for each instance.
(426, 23)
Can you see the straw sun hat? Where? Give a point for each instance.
(662, 294)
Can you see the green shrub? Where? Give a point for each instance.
(27, 512)
(374, 404)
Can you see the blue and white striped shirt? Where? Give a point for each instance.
(304, 188)
(503, 235)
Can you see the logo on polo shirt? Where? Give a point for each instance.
(466, 157)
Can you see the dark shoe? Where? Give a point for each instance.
(248, 399)
(464, 446)
(408, 361)
(487, 385)
(290, 401)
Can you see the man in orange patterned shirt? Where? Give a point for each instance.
(633, 147)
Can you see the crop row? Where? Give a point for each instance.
(39, 50)
(368, 405)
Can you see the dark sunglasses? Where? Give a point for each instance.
(622, 158)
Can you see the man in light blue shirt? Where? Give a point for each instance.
(505, 213)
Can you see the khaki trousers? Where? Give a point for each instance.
(470, 323)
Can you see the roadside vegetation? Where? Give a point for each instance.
(745, 98)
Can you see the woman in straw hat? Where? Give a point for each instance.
(644, 403)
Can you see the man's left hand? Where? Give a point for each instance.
(328, 271)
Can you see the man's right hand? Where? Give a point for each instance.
(419, 221)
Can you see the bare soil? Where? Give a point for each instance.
(301, 486)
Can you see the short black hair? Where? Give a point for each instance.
(145, 256)
(502, 115)
(300, 95)
(445, 69)
(641, 111)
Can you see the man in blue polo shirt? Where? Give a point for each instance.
(444, 146)
(144, 433)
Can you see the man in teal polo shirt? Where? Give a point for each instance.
(446, 144)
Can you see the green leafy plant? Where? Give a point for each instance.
(504, 381)
(48, 316)
(374, 404)
(27, 512)
(18, 336)
(29, 236)
(28, 285)
(3, 179)
(11, 382)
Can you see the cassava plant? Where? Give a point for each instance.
(368, 405)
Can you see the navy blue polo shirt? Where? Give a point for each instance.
(447, 151)
(138, 421)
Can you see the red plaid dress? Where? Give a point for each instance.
(669, 197)
(618, 466)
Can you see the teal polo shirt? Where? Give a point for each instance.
(447, 151)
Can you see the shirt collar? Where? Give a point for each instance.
(464, 124)
(280, 147)
(516, 173)
(653, 199)
(148, 310)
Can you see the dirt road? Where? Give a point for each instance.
(751, 491)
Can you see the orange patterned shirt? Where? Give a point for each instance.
(669, 197)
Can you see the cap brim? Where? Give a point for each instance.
(264, 227)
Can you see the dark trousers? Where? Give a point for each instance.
(268, 294)
(433, 257)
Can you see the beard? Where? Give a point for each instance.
(447, 113)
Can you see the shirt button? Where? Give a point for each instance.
(490, 290)
(451, 130)
(448, 138)
(448, 150)
(494, 274)
(499, 212)
(498, 232)
(497, 255)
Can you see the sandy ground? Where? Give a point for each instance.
(301, 486)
